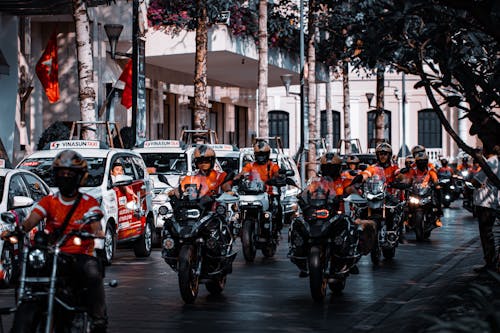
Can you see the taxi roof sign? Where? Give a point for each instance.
(72, 144)
(221, 147)
(162, 144)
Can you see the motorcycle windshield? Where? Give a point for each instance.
(420, 189)
(376, 183)
(251, 184)
(317, 193)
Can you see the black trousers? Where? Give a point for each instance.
(486, 218)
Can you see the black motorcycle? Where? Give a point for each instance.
(450, 188)
(47, 299)
(197, 242)
(326, 244)
(422, 211)
(468, 192)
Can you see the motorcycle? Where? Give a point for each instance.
(387, 211)
(197, 242)
(257, 216)
(422, 213)
(448, 193)
(326, 244)
(47, 299)
(468, 192)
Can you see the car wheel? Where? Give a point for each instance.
(144, 244)
(109, 244)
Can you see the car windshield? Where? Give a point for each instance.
(229, 164)
(165, 162)
(43, 168)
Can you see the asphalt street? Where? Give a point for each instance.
(268, 295)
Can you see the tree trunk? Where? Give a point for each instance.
(200, 72)
(263, 70)
(86, 82)
(380, 114)
(311, 82)
(347, 105)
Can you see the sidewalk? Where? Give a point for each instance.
(433, 296)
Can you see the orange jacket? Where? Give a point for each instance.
(207, 184)
(423, 176)
(263, 171)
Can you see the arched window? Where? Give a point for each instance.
(372, 142)
(279, 126)
(336, 126)
(429, 129)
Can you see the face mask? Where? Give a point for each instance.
(421, 165)
(261, 158)
(330, 170)
(68, 186)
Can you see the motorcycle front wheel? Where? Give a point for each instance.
(188, 280)
(389, 253)
(317, 280)
(9, 267)
(269, 250)
(418, 223)
(216, 286)
(376, 253)
(247, 241)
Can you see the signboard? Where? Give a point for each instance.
(72, 144)
(162, 144)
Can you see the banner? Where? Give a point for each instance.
(47, 70)
(126, 77)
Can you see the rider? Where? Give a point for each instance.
(267, 171)
(383, 152)
(206, 175)
(445, 171)
(70, 173)
(422, 173)
(353, 167)
(464, 165)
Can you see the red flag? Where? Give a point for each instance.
(126, 77)
(47, 70)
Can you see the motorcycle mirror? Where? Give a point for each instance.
(164, 179)
(8, 217)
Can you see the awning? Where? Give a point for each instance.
(35, 7)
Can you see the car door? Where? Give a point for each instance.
(130, 222)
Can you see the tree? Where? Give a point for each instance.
(452, 46)
(200, 74)
(56, 131)
(347, 105)
(86, 84)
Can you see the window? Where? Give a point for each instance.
(372, 142)
(16, 188)
(429, 129)
(279, 126)
(36, 187)
(336, 127)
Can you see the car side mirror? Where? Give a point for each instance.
(122, 180)
(22, 202)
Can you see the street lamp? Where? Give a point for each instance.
(369, 97)
(113, 31)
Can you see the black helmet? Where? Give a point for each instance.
(261, 151)
(330, 164)
(417, 149)
(204, 153)
(421, 160)
(69, 183)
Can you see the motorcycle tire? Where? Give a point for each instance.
(142, 247)
(376, 253)
(269, 250)
(188, 280)
(216, 286)
(337, 286)
(29, 318)
(247, 241)
(419, 223)
(389, 253)
(9, 266)
(446, 204)
(109, 244)
(317, 280)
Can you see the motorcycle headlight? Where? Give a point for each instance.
(414, 200)
(163, 210)
(37, 259)
(220, 209)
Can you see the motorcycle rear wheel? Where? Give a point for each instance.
(317, 280)
(376, 253)
(188, 280)
(9, 267)
(247, 241)
(216, 286)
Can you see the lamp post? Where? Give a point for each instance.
(287, 80)
(113, 32)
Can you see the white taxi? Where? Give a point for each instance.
(128, 217)
(166, 162)
(228, 157)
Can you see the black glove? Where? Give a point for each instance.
(353, 172)
(357, 180)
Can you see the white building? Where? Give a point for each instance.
(232, 78)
